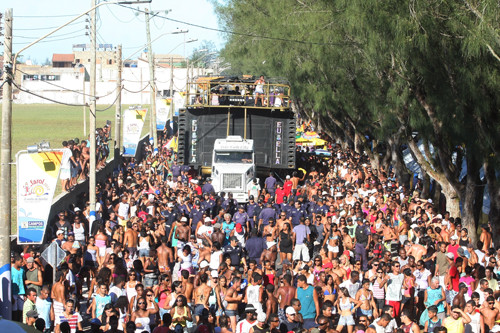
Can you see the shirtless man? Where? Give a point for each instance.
(130, 239)
(403, 231)
(70, 246)
(205, 251)
(296, 180)
(415, 250)
(187, 286)
(338, 271)
(217, 235)
(233, 298)
(485, 237)
(270, 232)
(182, 232)
(347, 240)
(489, 312)
(165, 256)
(271, 301)
(200, 296)
(59, 293)
(284, 294)
(270, 254)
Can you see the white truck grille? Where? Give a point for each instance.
(231, 180)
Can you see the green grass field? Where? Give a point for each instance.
(32, 123)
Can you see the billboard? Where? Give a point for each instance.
(162, 112)
(133, 121)
(37, 176)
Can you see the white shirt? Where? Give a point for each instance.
(116, 292)
(244, 326)
(394, 285)
(422, 278)
(351, 287)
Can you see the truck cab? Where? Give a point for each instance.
(233, 166)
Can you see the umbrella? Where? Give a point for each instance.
(318, 142)
(302, 140)
(15, 327)
(322, 152)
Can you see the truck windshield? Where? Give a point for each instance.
(233, 157)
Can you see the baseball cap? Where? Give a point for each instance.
(30, 260)
(238, 227)
(455, 237)
(450, 255)
(251, 197)
(249, 308)
(208, 219)
(233, 238)
(203, 264)
(214, 274)
(290, 311)
(95, 321)
(59, 232)
(170, 205)
(32, 314)
(77, 209)
(261, 317)
(217, 225)
(184, 219)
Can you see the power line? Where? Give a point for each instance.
(44, 16)
(46, 28)
(136, 92)
(46, 98)
(234, 32)
(118, 19)
(49, 41)
(55, 36)
(114, 102)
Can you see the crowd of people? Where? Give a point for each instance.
(337, 247)
(76, 157)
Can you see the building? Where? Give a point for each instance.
(63, 60)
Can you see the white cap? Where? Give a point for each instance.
(455, 237)
(290, 310)
(450, 255)
(184, 219)
(208, 219)
(261, 317)
(170, 205)
(439, 216)
(77, 209)
(429, 200)
(59, 232)
(214, 274)
(287, 176)
(203, 264)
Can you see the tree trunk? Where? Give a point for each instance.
(437, 197)
(426, 186)
(468, 207)
(494, 192)
(452, 200)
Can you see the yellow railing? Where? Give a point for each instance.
(238, 94)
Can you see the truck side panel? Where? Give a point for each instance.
(273, 133)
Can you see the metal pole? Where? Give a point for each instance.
(118, 112)
(187, 81)
(92, 172)
(152, 87)
(5, 159)
(84, 107)
(228, 120)
(172, 90)
(245, 127)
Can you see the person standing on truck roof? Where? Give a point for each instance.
(259, 91)
(270, 184)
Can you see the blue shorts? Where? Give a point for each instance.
(198, 309)
(346, 321)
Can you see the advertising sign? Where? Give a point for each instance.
(133, 121)
(37, 176)
(162, 112)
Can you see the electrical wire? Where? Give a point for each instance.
(50, 37)
(44, 16)
(46, 98)
(66, 89)
(118, 19)
(46, 28)
(114, 102)
(47, 41)
(234, 32)
(136, 92)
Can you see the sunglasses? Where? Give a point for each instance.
(321, 324)
(140, 303)
(150, 295)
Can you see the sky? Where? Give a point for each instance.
(115, 25)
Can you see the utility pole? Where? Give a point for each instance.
(187, 82)
(152, 87)
(172, 91)
(92, 171)
(5, 159)
(84, 107)
(118, 112)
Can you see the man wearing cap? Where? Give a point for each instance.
(287, 186)
(266, 214)
(196, 215)
(239, 232)
(296, 213)
(260, 326)
(246, 324)
(208, 188)
(289, 324)
(235, 253)
(31, 317)
(33, 277)
(205, 231)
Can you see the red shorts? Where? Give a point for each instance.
(396, 305)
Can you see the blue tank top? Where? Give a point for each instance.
(432, 296)
(16, 276)
(306, 298)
